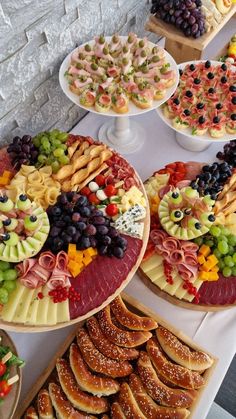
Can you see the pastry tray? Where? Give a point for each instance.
(138, 308)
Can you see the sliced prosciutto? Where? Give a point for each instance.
(219, 292)
(102, 277)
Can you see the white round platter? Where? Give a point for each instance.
(119, 132)
(185, 138)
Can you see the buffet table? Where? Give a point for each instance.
(216, 332)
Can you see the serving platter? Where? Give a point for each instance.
(121, 132)
(191, 281)
(185, 137)
(49, 374)
(8, 408)
(51, 313)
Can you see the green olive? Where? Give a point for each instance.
(125, 49)
(155, 59)
(79, 66)
(115, 39)
(126, 78)
(141, 86)
(130, 39)
(83, 78)
(101, 39)
(119, 90)
(105, 50)
(143, 53)
(154, 50)
(104, 77)
(156, 79)
(94, 66)
(145, 69)
(141, 43)
(87, 48)
(125, 61)
(81, 56)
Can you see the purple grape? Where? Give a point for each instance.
(118, 252)
(76, 217)
(101, 229)
(71, 230)
(85, 211)
(98, 220)
(82, 200)
(102, 250)
(113, 232)
(93, 241)
(54, 232)
(91, 230)
(81, 226)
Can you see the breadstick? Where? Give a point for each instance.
(91, 177)
(82, 174)
(82, 149)
(73, 148)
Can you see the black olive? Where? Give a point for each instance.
(176, 101)
(197, 81)
(201, 120)
(219, 106)
(197, 226)
(223, 79)
(210, 76)
(200, 105)
(189, 93)
(216, 119)
(187, 112)
(233, 117)
(207, 64)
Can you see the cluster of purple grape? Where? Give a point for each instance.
(74, 220)
(229, 153)
(22, 151)
(184, 14)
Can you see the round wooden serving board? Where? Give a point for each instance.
(19, 327)
(8, 408)
(176, 301)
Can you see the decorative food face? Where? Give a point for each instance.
(107, 75)
(72, 219)
(205, 100)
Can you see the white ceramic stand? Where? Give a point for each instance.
(122, 134)
(192, 144)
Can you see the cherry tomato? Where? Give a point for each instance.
(110, 190)
(100, 180)
(112, 210)
(93, 199)
(85, 191)
(4, 388)
(2, 368)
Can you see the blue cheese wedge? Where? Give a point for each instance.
(127, 224)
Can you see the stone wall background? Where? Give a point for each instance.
(35, 36)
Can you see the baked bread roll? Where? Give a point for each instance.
(95, 384)
(78, 398)
(44, 405)
(159, 391)
(150, 409)
(99, 362)
(180, 353)
(118, 336)
(62, 406)
(129, 319)
(117, 412)
(106, 347)
(31, 413)
(128, 403)
(176, 374)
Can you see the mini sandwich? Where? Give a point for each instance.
(119, 101)
(103, 102)
(88, 98)
(143, 97)
(179, 124)
(231, 125)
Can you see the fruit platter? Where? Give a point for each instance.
(118, 75)
(203, 107)
(109, 367)
(10, 376)
(74, 227)
(191, 255)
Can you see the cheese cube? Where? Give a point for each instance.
(204, 250)
(72, 251)
(201, 259)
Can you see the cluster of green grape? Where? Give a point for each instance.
(52, 149)
(223, 245)
(8, 276)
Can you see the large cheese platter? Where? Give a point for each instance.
(74, 227)
(128, 372)
(190, 257)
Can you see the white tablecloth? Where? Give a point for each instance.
(214, 331)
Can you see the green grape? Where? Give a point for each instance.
(217, 253)
(36, 141)
(234, 271)
(62, 136)
(9, 285)
(228, 260)
(227, 271)
(234, 258)
(58, 152)
(209, 243)
(215, 231)
(225, 231)
(55, 166)
(223, 238)
(56, 143)
(64, 159)
(199, 241)
(42, 158)
(4, 265)
(1, 276)
(232, 240)
(223, 247)
(63, 146)
(55, 131)
(231, 250)
(3, 296)
(10, 275)
(221, 264)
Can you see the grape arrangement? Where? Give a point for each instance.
(22, 151)
(229, 153)
(74, 220)
(184, 14)
(8, 276)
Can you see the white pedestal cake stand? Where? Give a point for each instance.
(119, 132)
(185, 138)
